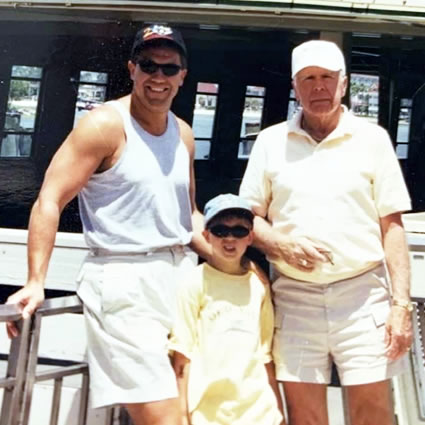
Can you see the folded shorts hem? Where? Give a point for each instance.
(130, 397)
(307, 375)
(347, 378)
(375, 374)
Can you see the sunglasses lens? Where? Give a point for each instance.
(222, 231)
(170, 69)
(150, 67)
(239, 231)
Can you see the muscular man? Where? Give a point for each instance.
(131, 162)
(328, 193)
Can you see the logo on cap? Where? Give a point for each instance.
(157, 31)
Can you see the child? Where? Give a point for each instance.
(223, 333)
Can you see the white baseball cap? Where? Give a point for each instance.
(321, 53)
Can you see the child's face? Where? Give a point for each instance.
(229, 249)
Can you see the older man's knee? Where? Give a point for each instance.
(371, 404)
(163, 412)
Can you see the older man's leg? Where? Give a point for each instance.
(164, 412)
(371, 404)
(306, 403)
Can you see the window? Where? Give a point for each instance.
(251, 119)
(92, 87)
(21, 113)
(204, 117)
(364, 96)
(293, 104)
(403, 128)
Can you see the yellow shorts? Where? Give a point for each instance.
(343, 322)
(129, 308)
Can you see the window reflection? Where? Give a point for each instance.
(204, 117)
(251, 119)
(90, 95)
(21, 112)
(26, 71)
(402, 148)
(293, 104)
(16, 145)
(364, 96)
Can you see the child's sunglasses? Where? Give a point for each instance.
(223, 231)
(150, 67)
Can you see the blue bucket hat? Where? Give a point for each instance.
(226, 202)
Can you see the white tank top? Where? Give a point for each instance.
(142, 202)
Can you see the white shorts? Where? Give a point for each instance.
(129, 307)
(343, 322)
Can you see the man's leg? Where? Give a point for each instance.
(371, 404)
(164, 412)
(306, 403)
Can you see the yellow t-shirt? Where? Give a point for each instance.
(225, 327)
(333, 192)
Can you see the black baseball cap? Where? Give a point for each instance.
(153, 34)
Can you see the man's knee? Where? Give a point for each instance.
(163, 412)
(370, 404)
(306, 403)
(371, 414)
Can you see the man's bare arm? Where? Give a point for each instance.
(198, 243)
(81, 154)
(399, 325)
(275, 387)
(181, 365)
(295, 251)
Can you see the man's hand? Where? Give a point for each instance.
(398, 332)
(28, 299)
(301, 253)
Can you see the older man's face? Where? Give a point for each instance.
(319, 90)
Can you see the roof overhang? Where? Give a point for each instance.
(398, 17)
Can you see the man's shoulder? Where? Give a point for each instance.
(105, 116)
(365, 125)
(99, 131)
(183, 125)
(272, 138)
(275, 129)
(186, 133)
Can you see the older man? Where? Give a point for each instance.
(328, 194)
(131, 162)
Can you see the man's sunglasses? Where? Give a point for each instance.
(150, 67)
(223, 231)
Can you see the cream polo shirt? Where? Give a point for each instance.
(333, 192)
(225, 327)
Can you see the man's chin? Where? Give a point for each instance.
(322, 109)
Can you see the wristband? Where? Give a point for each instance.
(406, 304)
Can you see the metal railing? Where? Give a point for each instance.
(22, 374)
(418, 353)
